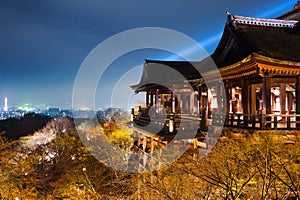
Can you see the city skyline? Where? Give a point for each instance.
(44, 44)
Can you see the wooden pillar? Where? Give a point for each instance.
(219, 97)
(159, 151)
(282, 98)
(233, 100)
(199, 99)
(232, 93)
(245, 96)
(151, 98)
(144, 155)
(173, 108)
(205, 100)
(297, 88)
(245, 101)
(267, 94)
(290, 102)
(195, 143)
(266, 99)
(253, 100)
(144, 143)
(156, 99)
(147, 99)
(179, 106)
(253, 105)
(204, 110)
(209, 103)
(152, 144)
(273, 101)
(228, 97)
(192, 102)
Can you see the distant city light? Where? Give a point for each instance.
(26, 107)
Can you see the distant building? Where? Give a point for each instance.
(66, 113)
(53, 112)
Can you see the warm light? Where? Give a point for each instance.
(171, 123)
(131, 117)
(276, 91)
(171, 126)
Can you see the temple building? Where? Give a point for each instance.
(259, 63)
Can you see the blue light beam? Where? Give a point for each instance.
(212, 40)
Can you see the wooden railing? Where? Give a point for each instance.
(247, 121)
(264, 121)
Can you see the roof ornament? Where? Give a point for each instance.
(235, 19)
(230, 17)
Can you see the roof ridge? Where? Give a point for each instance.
(236, 19)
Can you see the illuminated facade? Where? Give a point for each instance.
(259, 63)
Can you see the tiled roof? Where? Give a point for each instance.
(274, 38)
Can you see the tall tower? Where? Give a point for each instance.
(5, 105)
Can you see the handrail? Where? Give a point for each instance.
(240, 120)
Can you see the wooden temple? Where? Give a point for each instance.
(259, 63)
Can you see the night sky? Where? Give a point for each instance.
(43, 43)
